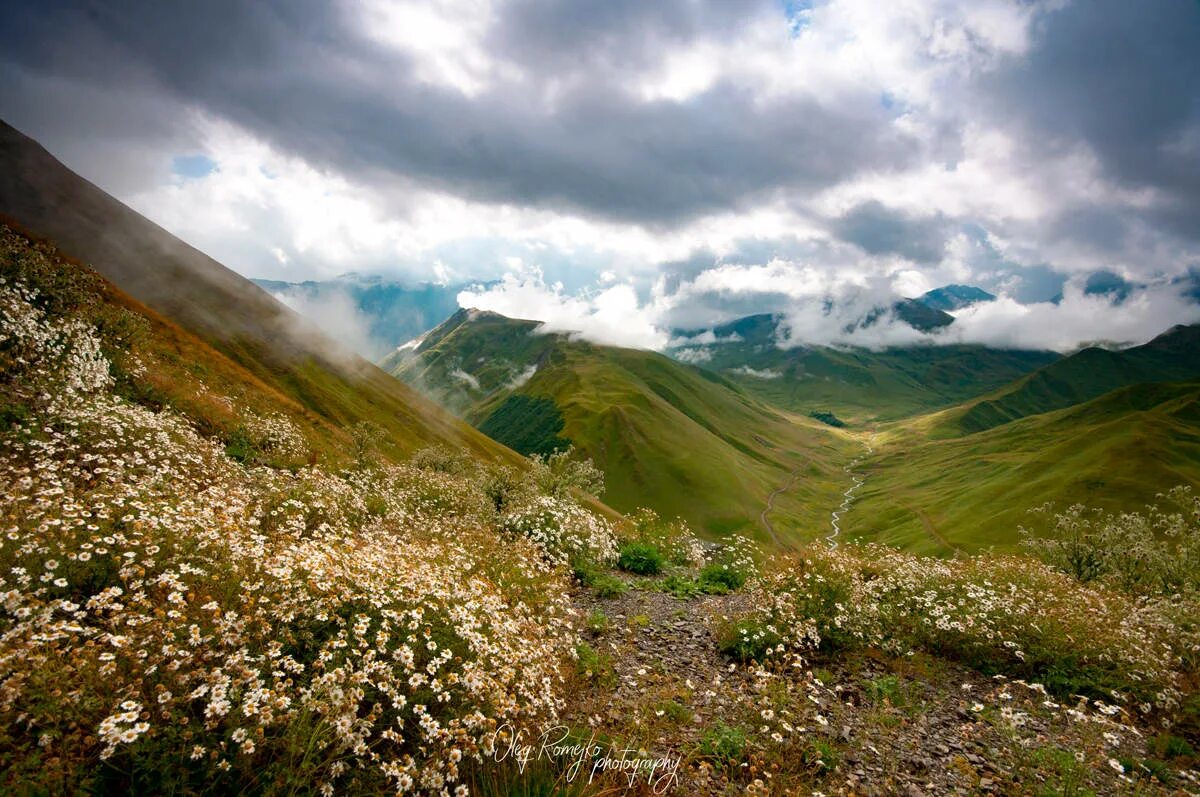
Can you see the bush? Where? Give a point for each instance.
(748, 640)
(996, 614)
(640, 558)
(717, 579)
(724, 744)
(561, 473)
(593, 666)
(1155, 553)
(607, 586)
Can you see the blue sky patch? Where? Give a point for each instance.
(193, 167)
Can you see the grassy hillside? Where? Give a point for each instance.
(1172, 356)
(858, 385)
(972, 492)
(201, 301)
(683, 441)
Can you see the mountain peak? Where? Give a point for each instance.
(949, 298)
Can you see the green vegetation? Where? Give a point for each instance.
(724, 745)
(527, 425)
(1173, 356)
(640, 558)
(933, 494)
(686, 442)
(859, 385)
(828, 418)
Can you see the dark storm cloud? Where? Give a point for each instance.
(1124, 78)
(571, 37)
(297, 75)
(880, 230)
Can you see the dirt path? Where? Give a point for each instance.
(766, 521)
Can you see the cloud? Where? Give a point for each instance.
(336, 314)
(1081, 318)
(710, 158)
(746, 370)
(612, 315)
(879, 230)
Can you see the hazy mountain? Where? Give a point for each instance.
(855, 383)
(371, 314)
(949, 298)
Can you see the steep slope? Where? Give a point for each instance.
(678, 439)
(255, 332)
(972, 492)
(1092, 372)
(856, 384)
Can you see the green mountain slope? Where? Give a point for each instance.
(858, 385)
(972, 492)
(1172, 356)
(681, 440)
(194, 294)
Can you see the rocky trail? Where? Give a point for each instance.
(867, 724)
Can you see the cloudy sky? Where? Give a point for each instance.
(626, 167)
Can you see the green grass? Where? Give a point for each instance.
(860, 385)
(934, 495)
(1085, 375)
(527, 425)
(685, 442)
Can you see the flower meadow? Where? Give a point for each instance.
(176, 619)
(997, 614)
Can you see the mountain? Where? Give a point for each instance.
(265, 343)
(681, 440)
(389, 312)
(949, 298)
(1116, 451)
(1084, 375)
(857, 384)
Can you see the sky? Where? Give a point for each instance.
(628, 168)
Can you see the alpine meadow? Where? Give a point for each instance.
(540, 397)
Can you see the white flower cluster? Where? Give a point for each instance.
(58, 358)
(157, 596)
(1008, 612)
(563, 530)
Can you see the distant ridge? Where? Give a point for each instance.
(1173, 356)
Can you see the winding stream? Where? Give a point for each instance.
(835, 517)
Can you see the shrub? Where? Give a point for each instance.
(640, 558)
(594, 666)
(1151, 553)
(562, 472)
(748, 640)
(609, 586)
(724, 744)
(717, 579)
(993, 613)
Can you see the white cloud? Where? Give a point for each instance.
(1077, 320)
(335, 314)
(765, 373)
(612, 315)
